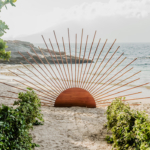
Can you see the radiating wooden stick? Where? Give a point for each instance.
(20, 89)
(58, 65)
(78, 80)
(54, 62)
(66, 61)
(51, 69)
(32, 87)
(116, 78)
(88, 57)
(102, 63)
(83, 58)
(31, 83)
(35, 80)
(34, 68)
(120, 82)
(128, 100)
(109, 74)
(39, 98)
(61, 58)
(104, 67)
(125, 90)
(118, 87)
(91, 63)
(10, 97)
(75, 57)
(98, 100)
(46, 68)
(70, 55)
(110, 67)
(40, 68)
(95, 64)
(118, 72)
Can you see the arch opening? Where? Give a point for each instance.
(75, 97)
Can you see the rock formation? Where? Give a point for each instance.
(24, 47)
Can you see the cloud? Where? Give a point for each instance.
(90, 11)
(82, 13)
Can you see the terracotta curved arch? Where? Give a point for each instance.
(75, 97)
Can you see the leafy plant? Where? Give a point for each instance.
(109, 139)
(3, 27)
(15, 124)
(4, 55)
(130, 128)
(14, 133)
(29, 105)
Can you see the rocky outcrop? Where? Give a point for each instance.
(24, 48)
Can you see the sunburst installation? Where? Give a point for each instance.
(69, 81)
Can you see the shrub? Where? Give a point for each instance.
(130, 128)
(14, 133)
(15, 124)
(3, 54)
(29, 105)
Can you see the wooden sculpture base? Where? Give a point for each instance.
(75, 97)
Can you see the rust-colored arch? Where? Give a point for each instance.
(75, 97)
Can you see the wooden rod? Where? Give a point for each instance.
(39, 98)
(11, 97)
(75, 57)
(66, 61)
(88, 57)
(83, 57)
(30, 82)
(119, 71)
(99, 100)
(46, 69)
(91, 63)
(65, 85)
(20, 89)
(35, 80)
(96, 63)
(32, 88)
(111, 66)
(78, 80)
(125, 90)
(33, 67)
(104, 67)
(70, 55)
(54, 62)
(61, 59)
(41, 69)
(58, 83)
(120, 82)
(102, 63)
(128, 100)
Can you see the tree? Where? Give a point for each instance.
(3, 27)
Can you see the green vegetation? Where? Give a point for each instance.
(3, 27)
(29, 105)
(4, 55)
(130, 128)
(15, 124)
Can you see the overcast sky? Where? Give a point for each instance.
(126, 20)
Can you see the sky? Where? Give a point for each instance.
(125, 20)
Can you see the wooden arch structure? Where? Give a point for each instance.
(68, 80)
